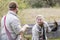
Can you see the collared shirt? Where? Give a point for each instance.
(36, 32)
(12, 24)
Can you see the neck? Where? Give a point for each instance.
(13, 11)
(41, 25)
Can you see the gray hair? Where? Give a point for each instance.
(40, 17)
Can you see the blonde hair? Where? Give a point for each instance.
(40, 17)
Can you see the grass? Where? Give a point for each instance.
(29, 37)
(54, 39)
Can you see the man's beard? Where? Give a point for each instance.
(41, 24)
(16, 12)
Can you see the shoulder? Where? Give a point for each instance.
(12, 17)
(34, 27)
(46, 24)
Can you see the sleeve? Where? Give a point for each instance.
(16, 26)
(55, 26)
(48, 29)
(52, 29)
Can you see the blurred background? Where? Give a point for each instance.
(29, 9)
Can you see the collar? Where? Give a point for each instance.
(38, 25)
(13, 13)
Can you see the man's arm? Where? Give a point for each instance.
(55, 26)
(17, 27)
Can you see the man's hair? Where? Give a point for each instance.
(40, 17)
(13, 5)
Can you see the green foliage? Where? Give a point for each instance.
(22, 4)
(38, 3)
(43, 3)
(4, 6)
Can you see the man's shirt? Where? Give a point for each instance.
(12, 24)
(37, 31)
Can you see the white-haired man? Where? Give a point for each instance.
(40, 29)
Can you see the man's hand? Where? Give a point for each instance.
(25, 27)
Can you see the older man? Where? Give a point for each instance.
(10, 24)
(40, 29)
